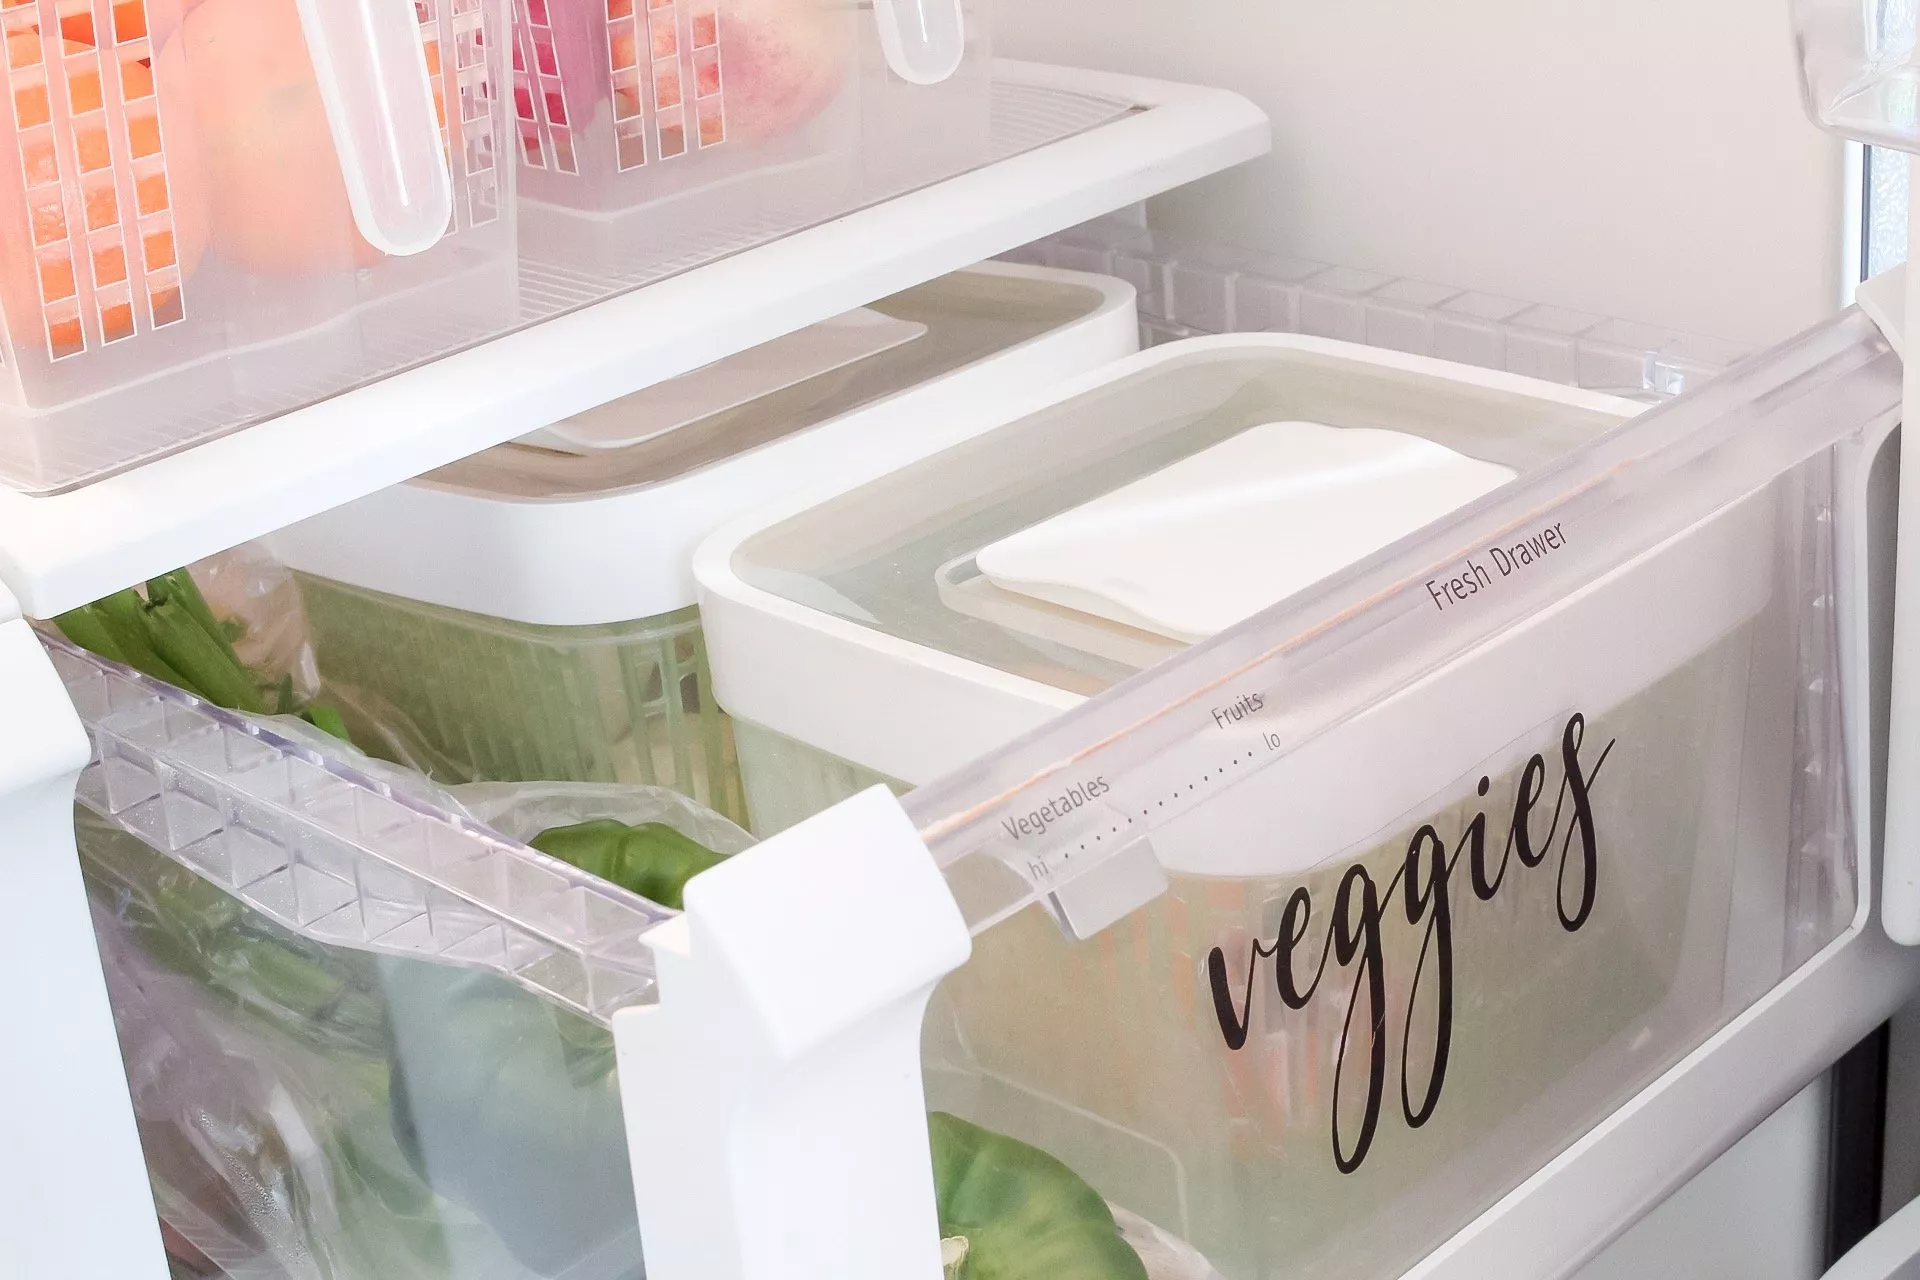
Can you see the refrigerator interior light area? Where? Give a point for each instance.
(1211, 970)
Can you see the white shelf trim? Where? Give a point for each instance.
(59, 551)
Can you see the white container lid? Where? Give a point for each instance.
(598, 535)
(857, 624)
(1188, 551)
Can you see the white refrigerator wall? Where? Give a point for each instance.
(1646, 159)
(1756, 1213)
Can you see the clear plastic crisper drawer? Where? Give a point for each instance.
(343, 858)
(1860, 68)
(1311, 942)
(366, 1038)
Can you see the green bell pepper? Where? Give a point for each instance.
(1009, 1211)
(652, 859)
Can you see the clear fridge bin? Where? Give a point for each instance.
(531, 610)
(1860, 69)
(202, 214)
(1311, 940)
(644, 125)
(886, 573)
(367, 1037)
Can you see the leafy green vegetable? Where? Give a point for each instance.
(173, 635)
(84, 627)
(122, 616)
(652, 859)
(327, 721)
(1022, 1214)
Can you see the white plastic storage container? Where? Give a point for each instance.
(897, 576)
(366, 1035)
(1387, 894)
(648, 130)
(221, 210)
(531, 609)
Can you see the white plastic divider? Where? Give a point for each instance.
(1891, 1252)
(74, 1197)
(60, 551)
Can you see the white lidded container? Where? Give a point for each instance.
(933, 662)
(221, 210)
(1604, 712)
(532, 609)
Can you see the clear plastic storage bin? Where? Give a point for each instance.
(1313, 939)
(366, 1036)
(645, 129)
(1860, 68)
(206, 224)
(888, 574)
(531, 609)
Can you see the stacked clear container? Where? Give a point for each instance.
(1860, 68)
(1624, 767)
(366, 1037)
(440, 597)
(656, 131)
(205, 224)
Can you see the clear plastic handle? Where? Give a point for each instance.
(373, 79)
(923, 39)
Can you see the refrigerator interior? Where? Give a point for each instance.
(1629, 202)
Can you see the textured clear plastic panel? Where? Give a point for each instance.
(1393, 891)
(179, 231)
(1192, 287)
(1858, 68)
(506, 701)
(334, 855)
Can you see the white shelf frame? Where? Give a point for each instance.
(60, 551)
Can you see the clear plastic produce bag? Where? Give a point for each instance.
(320, 1096)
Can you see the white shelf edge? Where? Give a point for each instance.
(1641, 1153)
(60, 551)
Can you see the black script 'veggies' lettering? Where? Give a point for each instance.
(1357, 935)
(1426, 893)
(1353, 935)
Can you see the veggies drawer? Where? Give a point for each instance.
(365, 1034)
(1311, 933)
(531, 609)
(640, 127)
(202, 214)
